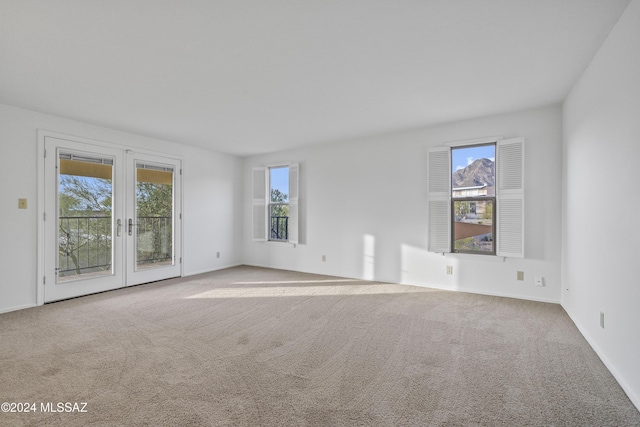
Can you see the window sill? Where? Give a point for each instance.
(476, 257)
(278, 244)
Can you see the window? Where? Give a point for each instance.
(476, 198)
(279, 204)
(275, 203)
(473, 198)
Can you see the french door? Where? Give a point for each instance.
(111, 218)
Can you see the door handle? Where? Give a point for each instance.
(119, 228)
(130, 227)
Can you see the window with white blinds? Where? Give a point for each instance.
(507, 231)
(275, 196)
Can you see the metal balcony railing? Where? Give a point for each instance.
(85, 243)
(279, 228)
(153, 240)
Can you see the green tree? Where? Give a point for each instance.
(279, 214)
(154, 212)
(80, 196)
(488, 211)
(461, 208)
(154, 200)
(279, 203)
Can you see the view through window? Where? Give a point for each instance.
(154, 216)
(85, 219)
(473, 198)
(279, 203)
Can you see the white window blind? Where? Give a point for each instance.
(439, 199)
(154, 167)
(259, 203)
(84, 158)
(510, 197)
(294, 169)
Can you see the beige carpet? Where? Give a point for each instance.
(255, 347)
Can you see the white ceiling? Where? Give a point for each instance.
(253, 76)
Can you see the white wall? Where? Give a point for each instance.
(363, 205)
(211, 185)
(212, 199)
(601, 236)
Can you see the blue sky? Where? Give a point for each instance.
(280, 179)
(463, 157)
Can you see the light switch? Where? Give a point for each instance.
(22, 203)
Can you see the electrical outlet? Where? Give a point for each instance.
(22, 203)
(520, 275)
(539, 281)
(602, 320)
(324, 258)
(449, 269)
(217, 254)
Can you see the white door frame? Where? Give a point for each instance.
(45, 278)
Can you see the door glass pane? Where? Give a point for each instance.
(85, 222)
(154, 216)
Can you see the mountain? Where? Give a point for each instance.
(480, 172)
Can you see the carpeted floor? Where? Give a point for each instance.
(255, 347)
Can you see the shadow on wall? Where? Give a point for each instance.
(417, 266)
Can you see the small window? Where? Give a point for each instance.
(279, 204)
(275, 203)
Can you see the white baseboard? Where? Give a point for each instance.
(19, 307)
(222, 267)
(633, 397)
(491, 294)
(431, 286)
(265, 266)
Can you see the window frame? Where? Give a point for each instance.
(261, 203)
(492, 198)
(271, 204)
